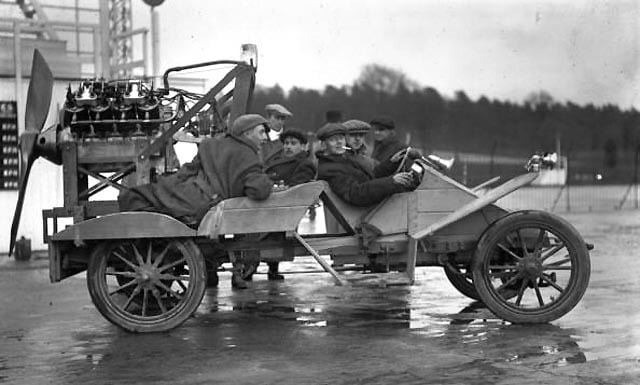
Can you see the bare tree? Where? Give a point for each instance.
(385, 79)
(539, 99)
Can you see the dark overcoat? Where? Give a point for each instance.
(271, 150)
(355, 183)
(384, 149)
(292, 170)
(361, 157)
(223, 168)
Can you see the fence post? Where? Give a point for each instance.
(635, 175)
(568, 183)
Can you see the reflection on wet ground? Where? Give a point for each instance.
(306, 330)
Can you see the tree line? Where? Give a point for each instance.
(605, 135)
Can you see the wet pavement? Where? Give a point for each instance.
(305, 330)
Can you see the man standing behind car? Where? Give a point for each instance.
(276, 119)
(357, 130)
(386, 142)
(272, 151)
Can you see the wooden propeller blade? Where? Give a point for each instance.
(38, 102)
(39, 94)
(24, 177)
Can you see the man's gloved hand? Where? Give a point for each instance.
(404, 179)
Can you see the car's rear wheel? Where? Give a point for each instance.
(147, 285)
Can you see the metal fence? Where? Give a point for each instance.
(595, 181)
(580, 198)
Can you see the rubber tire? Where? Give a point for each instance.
(574, 244)
(461, 283)
(177, 315)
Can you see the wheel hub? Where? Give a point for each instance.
(147, 274)
(530, 267)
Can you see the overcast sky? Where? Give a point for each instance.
(583, 51)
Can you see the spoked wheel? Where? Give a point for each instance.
(147, 285)
(531, 267)
(461, 277)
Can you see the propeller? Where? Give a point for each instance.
(38, 101)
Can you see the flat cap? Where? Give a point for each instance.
(384, 122)
(355, 126)
(244, 123)
(293, 133)
(330, 129)
(278, 109)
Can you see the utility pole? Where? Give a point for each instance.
(155, 36)
(155, 42)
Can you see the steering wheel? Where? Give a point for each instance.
(403, 163)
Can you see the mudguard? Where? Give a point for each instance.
(125, 225)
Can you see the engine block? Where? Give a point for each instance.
(110, 109)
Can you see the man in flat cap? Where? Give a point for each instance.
(277, 114)
(223, 168)
(386, 143)
(293, 165)
(357, 130)
(276, 118)
(349, 179)
(272, 152)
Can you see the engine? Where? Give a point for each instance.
(100, 109)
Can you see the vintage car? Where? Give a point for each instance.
(147, 272)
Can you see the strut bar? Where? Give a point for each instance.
(322, 262)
